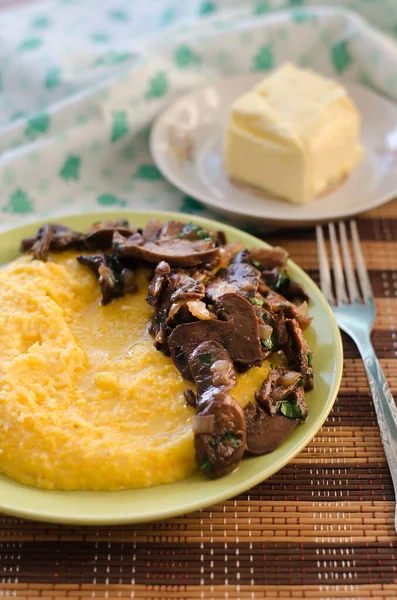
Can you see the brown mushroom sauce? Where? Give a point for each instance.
(218, 309)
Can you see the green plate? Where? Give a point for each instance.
(133, 506)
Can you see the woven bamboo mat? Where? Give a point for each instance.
(320, 528)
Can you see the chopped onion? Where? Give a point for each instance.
(219, 366)
(265, 331)
(159, 339)
(247, 285)
(227, 252)
(302, 309)
(289, 379)
(224, 288)
(174, 309)
(203, 424)
(198, 309)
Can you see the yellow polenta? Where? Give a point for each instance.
(86, 401)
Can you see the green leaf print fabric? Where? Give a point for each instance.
(81, 81)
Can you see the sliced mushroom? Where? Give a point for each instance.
(160, 279)
(294, 291)
(280, 330)
(278, 385)
(211, 367)
(171, 230)
(265, 433)
(298, 353)
(110, 283)
(185, 338)
(279, 280)
(41, 248)
(151, 231)
(267, 259)
(219, 452)
(115, 280)
(186, 289)
(220, 238)
(239, 278)
(170, 292)
(277, 303)
(238, 333)
(100, 235)
(180, 244)
(128, 281)
(243, 340)
(52, 236)
(93, 261)
(176, 252)
(192, 231)
(298, 396)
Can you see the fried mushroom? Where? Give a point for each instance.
(52, 236)
(278, 385)
(238, 278)
(115, 280)
(265, 432)
(298, 353)
(219, 451)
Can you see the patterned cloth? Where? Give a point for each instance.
(81, 81)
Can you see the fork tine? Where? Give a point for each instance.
(363, 278)
(325, 274)
(349, 271)
(341, 295)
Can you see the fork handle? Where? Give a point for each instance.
(385, 407)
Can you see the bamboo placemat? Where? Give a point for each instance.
(320, 528)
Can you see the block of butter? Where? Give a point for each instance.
(295, 135)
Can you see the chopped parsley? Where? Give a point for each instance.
(206, 465)
(206, 358)
(230, 436)
(271, 365)
(301, 382)
(268, 343)
(309, 359)
(291, 409)
(283, 278)
(256, 264)
(258, 301)
(192, 228)
(204, 235)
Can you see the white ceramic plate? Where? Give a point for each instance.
(186, 144)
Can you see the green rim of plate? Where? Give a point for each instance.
(196, 492)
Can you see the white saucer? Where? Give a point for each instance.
(186, 144)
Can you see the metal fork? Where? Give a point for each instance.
(355, 315)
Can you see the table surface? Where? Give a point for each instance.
(320, 528)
